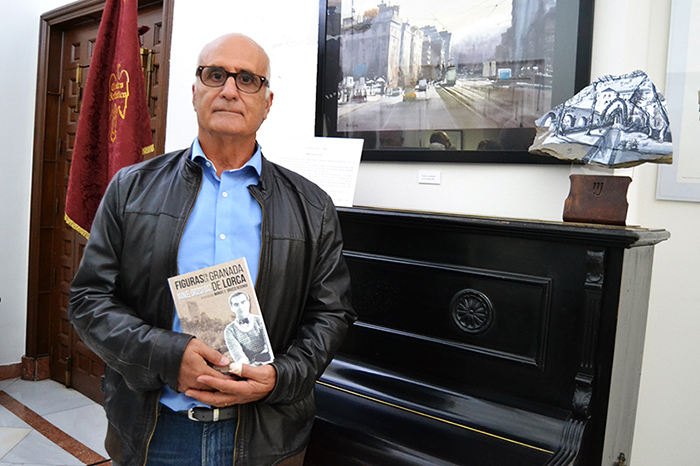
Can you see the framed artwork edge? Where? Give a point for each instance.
(668, 187)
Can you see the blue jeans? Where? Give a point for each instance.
(179, 441)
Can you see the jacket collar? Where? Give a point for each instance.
(190, 170)
(265, 178)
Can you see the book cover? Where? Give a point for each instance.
(218, 305)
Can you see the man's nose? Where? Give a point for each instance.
(229, 89)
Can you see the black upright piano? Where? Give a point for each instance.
(486, 341)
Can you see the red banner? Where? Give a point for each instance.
(114, 127)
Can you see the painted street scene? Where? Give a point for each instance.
(412, 66)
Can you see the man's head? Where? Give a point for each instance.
(441, 137)
(226, 110)
(240, 304)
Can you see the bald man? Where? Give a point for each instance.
(210, 203)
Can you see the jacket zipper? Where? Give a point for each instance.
(257, 282)
(262, 238)
(153, 431)
(235, 438)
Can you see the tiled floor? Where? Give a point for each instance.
(45, 423)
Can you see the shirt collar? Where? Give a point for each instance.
(255, 161)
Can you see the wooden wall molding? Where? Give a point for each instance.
(11, 371)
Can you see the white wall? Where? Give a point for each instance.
(668, 416)
(629, 35)
(19, 32)
(288, 30)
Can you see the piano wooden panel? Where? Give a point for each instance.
(486, 341)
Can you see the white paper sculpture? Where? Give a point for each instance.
(616, 121)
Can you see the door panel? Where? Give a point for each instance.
(75, 60)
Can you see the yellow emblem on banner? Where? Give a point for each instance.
(118, 97)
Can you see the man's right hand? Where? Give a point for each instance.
(195, 361)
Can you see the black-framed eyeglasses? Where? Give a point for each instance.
(215, 76)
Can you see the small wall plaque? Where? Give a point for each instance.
(597, 199)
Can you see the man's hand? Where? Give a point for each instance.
(256, 384)
(194, 364)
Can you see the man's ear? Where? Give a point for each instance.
(268, 104)
(193, 99)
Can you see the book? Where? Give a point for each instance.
(218, 305)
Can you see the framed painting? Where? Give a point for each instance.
(681, 180)
(448, 80)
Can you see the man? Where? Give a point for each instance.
(213, 202)
(245, 336)
(439, 140)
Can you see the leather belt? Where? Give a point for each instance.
(202, 414)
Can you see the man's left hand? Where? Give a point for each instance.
(256, 384)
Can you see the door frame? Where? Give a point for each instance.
(35, 362)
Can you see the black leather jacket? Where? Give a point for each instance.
(121, 306)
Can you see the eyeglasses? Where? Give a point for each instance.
(215, 76)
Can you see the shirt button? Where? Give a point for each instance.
(222, 236)
(225, 194)
(209, 164)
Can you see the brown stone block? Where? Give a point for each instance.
(597, 199)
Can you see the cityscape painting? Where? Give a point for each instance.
(461, 75)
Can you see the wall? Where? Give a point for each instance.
(629, 34)
(19, 32)
(287, 30)
(668, 416)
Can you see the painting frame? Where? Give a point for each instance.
(572, 58)
(673, 182)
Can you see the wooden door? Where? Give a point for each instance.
(71, 361)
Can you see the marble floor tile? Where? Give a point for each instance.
(87, 424)
(46, 396)
(10, 437)
(6, 383)
(39, 419)
(7, 419)
(37, 449)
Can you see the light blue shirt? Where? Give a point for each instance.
(225, 224)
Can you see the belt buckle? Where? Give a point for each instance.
(214, 412)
